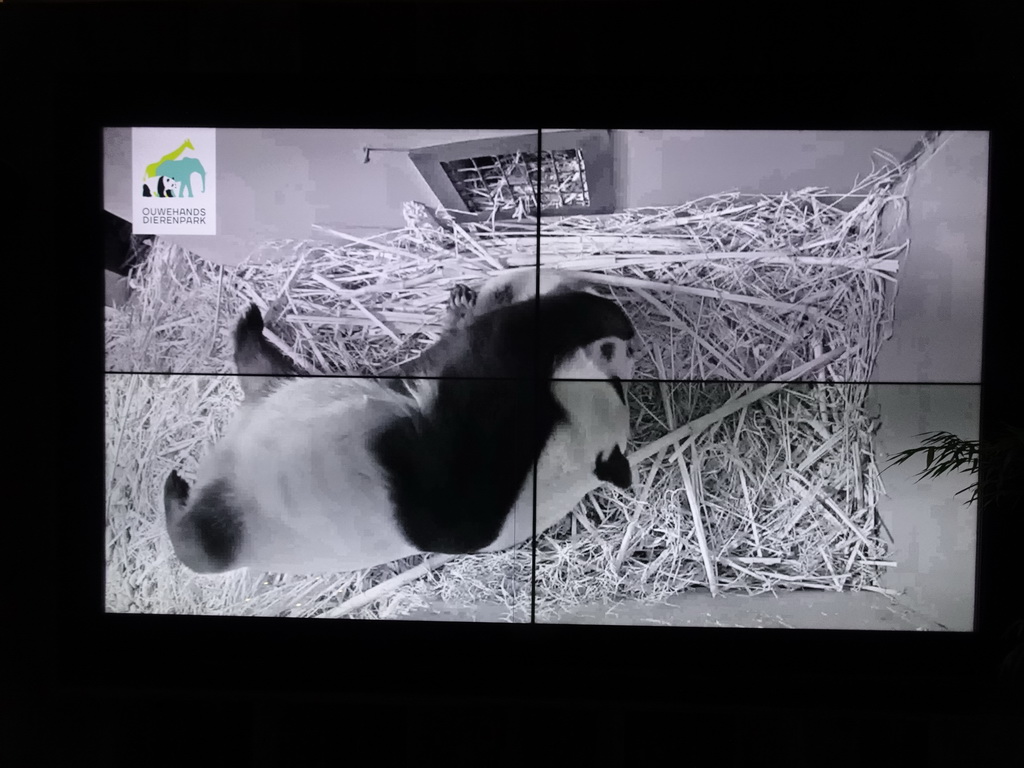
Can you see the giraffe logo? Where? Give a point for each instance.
(171, 175)
(173, 187)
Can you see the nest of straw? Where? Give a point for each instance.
(741, 487)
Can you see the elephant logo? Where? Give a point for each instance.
(171, 175)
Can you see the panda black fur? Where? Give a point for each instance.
(332, 475)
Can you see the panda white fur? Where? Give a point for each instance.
(328, 475)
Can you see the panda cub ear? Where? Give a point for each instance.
(614, 468)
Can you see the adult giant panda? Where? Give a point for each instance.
(328, 475)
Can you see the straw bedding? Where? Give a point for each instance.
(739, 487)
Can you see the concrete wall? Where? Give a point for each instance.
(672, 167)
(937, 338)
(940, 302)
(934, 531)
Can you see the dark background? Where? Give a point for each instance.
(206, 690)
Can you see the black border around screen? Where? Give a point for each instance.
(93, 649)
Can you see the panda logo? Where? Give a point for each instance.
(161, 186)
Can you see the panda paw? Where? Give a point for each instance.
(461, 296)
(461, 301)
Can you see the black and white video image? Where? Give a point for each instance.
(577, 376)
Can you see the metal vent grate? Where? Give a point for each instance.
(514, 182)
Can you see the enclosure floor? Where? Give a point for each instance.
(825, 610)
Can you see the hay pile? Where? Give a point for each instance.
(746, 487)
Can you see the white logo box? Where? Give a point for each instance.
(174, 181)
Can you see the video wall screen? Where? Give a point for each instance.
(584, 376)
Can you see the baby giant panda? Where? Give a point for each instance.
(328, 475)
